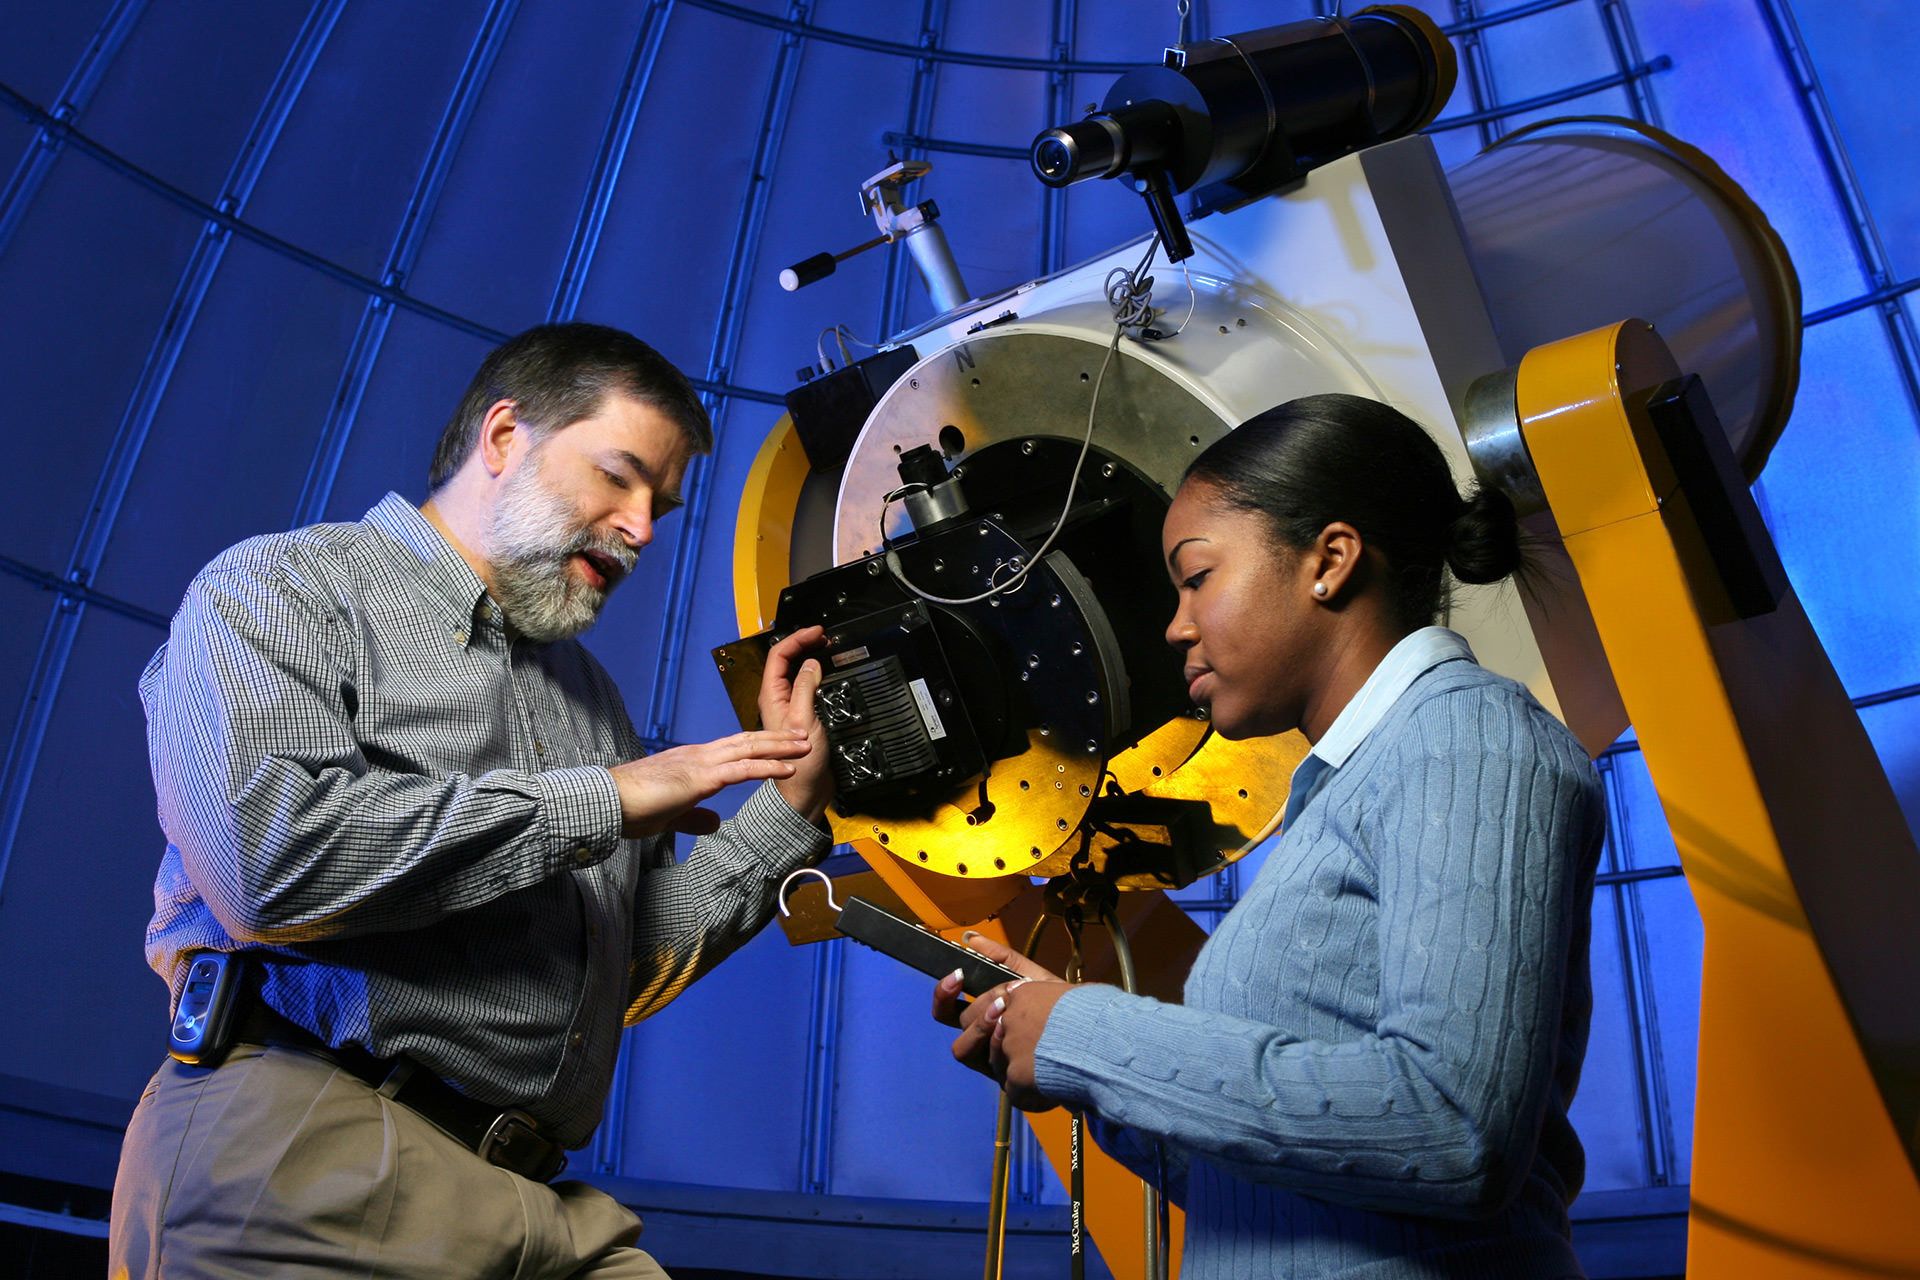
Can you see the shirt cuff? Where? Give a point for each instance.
(771, 830)
(1084, 1027)
(580, 814)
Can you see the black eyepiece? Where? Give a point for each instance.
(1071, 153)
(1053, 158)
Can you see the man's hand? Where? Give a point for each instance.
(658, 792)
(1000, 1031)
(786, 702)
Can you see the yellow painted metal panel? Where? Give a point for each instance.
(1797, 1168)
(763, 530)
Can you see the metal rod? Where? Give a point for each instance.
(1653, 1126)
(829, 35)
(130, 437)
(1077, 1195)
(1077, 1137)
(823, 1054)
(20, 105)
(1869, 249)
(1476, 67)
(728, 330)
(1003, 1149)
(997, 1198)
(1009, 62)
(1625, 47)
(1647, 68)
(376, 315)
(1861, 303)
(1153, 1199)
(920, 100)
(953, 146)
(1053, 200)
(74, 98)
(615, 142)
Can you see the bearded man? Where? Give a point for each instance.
(412, 807)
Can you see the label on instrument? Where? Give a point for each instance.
(846, 657)
(928, 713)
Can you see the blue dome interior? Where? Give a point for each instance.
(251, 253)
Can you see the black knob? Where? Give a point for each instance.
(807, 270)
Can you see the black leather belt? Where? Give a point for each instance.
(507, 1138)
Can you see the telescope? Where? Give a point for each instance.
(1241, 116)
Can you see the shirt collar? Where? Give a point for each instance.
(442, 571)
(1407, 661)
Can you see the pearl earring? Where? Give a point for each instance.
(1320, 589)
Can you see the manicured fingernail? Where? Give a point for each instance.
(1017, 982)
(968, 936)
(954, 977)
(999, 1007)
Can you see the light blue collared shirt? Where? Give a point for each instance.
(1419, 652)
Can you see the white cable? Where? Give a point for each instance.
(855, 338)
(1130, 297)
(1193, 300)
(1013, 583)
(841, 335)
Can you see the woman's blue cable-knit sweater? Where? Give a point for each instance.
(1371, 1073)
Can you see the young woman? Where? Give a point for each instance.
(1371, 1071)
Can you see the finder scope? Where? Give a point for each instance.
(1244, 115)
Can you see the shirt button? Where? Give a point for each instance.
(577, 1039)
(583, 857)
(460, 638)
(539, 747)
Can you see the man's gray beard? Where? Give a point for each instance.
(531, 537)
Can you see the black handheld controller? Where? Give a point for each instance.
(199, 1034)
(911, 944)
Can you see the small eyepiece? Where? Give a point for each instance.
(1070, 153)
(1053, 157)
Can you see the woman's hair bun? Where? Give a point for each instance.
(1483, 542)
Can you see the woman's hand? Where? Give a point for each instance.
(1000, 1030)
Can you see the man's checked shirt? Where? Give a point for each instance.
(404, 812)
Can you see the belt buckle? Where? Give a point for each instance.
(501, 1132)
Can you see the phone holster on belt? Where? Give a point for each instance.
(202, 1027)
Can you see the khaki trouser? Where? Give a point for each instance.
(278, 1163)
